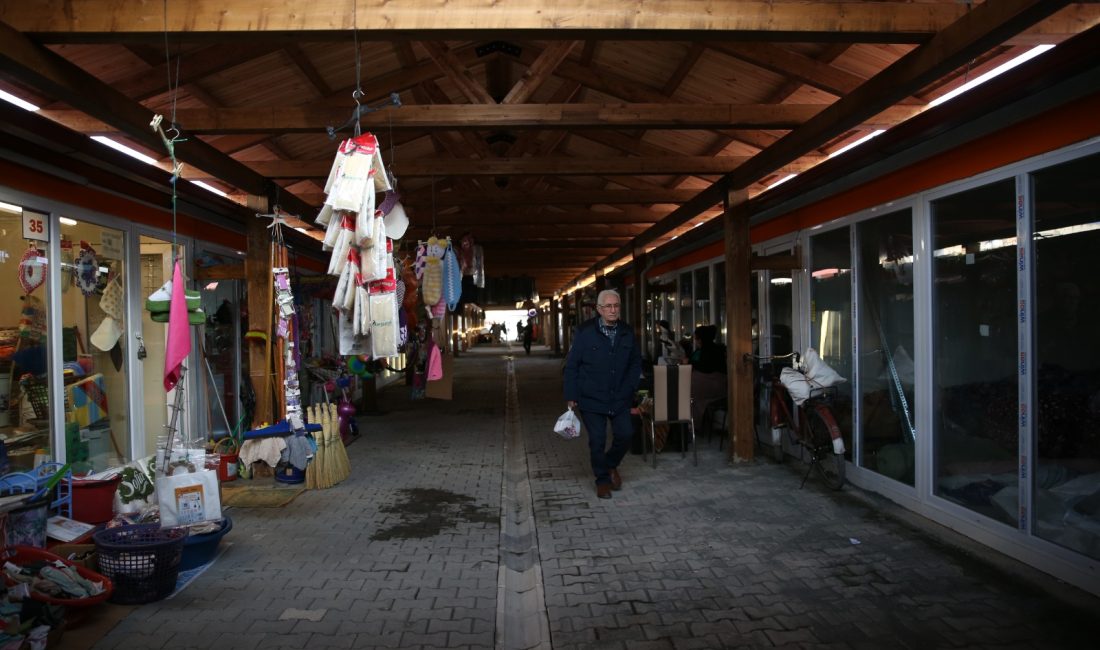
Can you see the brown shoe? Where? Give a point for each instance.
(603, 490)
(616, 480)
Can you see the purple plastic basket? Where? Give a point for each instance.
(142, 561)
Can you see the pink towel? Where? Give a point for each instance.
(435, 364)
(179, 332)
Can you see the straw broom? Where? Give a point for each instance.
(319, 461)
(325, 475)
(311, 469)
(338, 454)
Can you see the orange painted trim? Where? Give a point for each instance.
(1057, 128)
(34, 182)
(716, 249)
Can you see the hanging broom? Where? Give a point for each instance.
(338, 454)
(324, 476)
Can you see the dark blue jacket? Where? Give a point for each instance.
(598, 377)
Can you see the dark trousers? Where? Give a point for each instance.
(622, 430)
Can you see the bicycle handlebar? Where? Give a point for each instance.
(755, 357)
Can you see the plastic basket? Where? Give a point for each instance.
(24, 555)
(143, 561)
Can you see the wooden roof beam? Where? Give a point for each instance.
(528, 166)
(302, 119)
(776, 20)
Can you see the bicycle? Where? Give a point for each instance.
(815, 428)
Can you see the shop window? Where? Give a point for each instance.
(975, 350)
(886, 368)
(780, 318)
(831, 317)
(684, 304)
(1067, 355)
(24, 375)
(702, 297)
(94, 348)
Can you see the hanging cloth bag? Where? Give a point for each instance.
(452, 279)
(432, 286)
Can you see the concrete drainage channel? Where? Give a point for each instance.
(522, 621)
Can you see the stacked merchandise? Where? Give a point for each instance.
(358, 235)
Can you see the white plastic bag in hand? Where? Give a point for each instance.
(568, 425)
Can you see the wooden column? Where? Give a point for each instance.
(555, 339)
(638, 313)
(738, 251)
(257, 269)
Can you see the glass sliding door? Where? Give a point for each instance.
(1066, 234)
(218, 360)
(886, 367)
(974, 315)
(701, 314)
(831, 317)
(156, 269)
(94, 347)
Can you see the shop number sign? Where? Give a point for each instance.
(35, 226)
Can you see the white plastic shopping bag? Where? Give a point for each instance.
(568, 425)
(188, 495)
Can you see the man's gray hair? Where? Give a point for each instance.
(605, 293)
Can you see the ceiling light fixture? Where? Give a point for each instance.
(21, 103)
(1001, 69)
(118, 146)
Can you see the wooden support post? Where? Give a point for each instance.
(637, 315)
(257, 268)
(555, 338)
(738, 252)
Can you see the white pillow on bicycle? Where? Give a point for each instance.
(796, 384)
(818, 372)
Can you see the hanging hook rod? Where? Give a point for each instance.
(360, 110)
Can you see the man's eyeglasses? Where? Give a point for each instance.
(614, 306)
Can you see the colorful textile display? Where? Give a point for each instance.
(88, 398)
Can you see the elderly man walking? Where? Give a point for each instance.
(602, 373)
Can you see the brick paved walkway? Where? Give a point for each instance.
(405, 553)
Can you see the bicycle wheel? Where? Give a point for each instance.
(830, 465)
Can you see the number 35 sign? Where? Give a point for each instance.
(36, 226)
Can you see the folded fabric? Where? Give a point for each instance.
(195, 317)
(161, 299)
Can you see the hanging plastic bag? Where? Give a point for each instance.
(568, 425)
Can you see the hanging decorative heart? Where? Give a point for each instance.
(32, 270)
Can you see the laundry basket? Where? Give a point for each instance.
(142, 561)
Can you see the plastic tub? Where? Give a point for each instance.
(289, 474)
(94, 501)
(23, 555)
(200, 549)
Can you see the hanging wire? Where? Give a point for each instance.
(357, 94)
(170, 142)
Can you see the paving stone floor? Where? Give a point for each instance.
(404, 554)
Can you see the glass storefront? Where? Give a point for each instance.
(1066, 233)
(886, 367)
(975, 350)
(94, 347)
(831, 317)
(25, 411)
